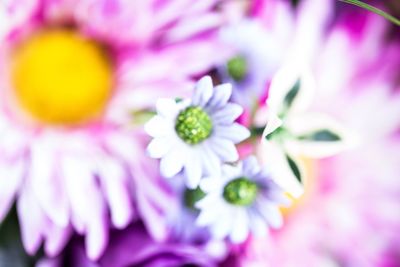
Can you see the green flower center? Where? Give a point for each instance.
(237, 68)
(193, 125)
(240, 191)
(191, 196)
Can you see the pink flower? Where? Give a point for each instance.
(350, 213)
(72, 73)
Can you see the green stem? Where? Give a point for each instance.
(373, 9)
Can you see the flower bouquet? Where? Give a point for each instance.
(167, 133)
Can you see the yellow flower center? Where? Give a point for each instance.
(60, 77)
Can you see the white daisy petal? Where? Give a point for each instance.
(172, 163)
(222, 93)
(225, 149)
(257, 225)
(279, 198)
(158, 127)
(209, 215)
(159, 147)
(228, 114)
(211, 199)
(231, 172)
(240, 226)
(203, 92)
(223, 226)
(250, 166)
(167, 107)
(234, 132)
(210, 161)
(212, 183)
(271, 214)
(193, 171)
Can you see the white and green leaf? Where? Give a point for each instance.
(291, 95)
(292, 90)
(273, 123)
(318, 136)
(286, 169)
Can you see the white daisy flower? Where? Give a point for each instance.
(196, 135)
(243, 199)
(257, 54)
(182, 221)
(292, 132)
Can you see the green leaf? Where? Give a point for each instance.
(295, 168)
(373, 9)
(291, 95)
(323, 135)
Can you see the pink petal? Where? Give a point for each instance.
(11, 174)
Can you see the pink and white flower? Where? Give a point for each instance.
(349, 215)
(71, 170)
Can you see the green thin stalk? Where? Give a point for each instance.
(373, 9)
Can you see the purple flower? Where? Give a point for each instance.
(134, 247)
